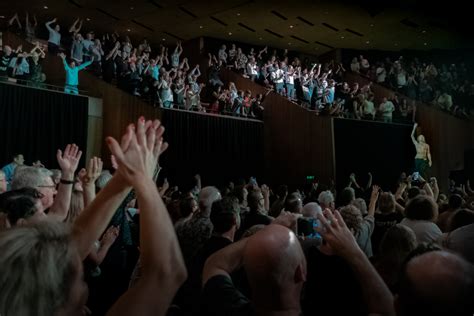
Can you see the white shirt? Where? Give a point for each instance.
(387, 108)
(381, 74)
(277, 76)
(425, 231)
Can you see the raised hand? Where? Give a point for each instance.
(375, 193)
(140, 148)
(93, 171)
(338, 239)
(69, 160)
(265, 190)
(113, 160)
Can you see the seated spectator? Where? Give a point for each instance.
(421, 212)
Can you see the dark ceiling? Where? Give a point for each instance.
(309, 26)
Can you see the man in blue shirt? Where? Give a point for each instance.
(72, 74)
(9, 170)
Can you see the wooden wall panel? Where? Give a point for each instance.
(447, 135)
(297, 143)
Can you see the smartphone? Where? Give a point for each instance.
(416, 176)
(307, 227)
(253, 181)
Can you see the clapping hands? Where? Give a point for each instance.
(140, 148)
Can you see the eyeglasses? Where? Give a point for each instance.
(52, 186)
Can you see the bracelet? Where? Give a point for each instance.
(62, 181)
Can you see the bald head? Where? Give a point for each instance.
(437, 283)
(312, 210)
(207, 196)
(275, 267)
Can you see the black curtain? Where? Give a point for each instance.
(36, 123)
(219, 148)
(385, 150)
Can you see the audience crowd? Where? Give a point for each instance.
(448, 87)
(166, 79)
(77, 241)
(163, 78)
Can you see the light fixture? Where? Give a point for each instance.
(289, 43)
(423, 31)
(164, 39)
(291, 26)
(238, 14)
(2, 16)
(230, 33)
(342, 37)
(200, 26)
(88, 19)
(371, 25)
(425, 44)
(45, 7)
(368, 42)
(131, 8)
(128, 30)
(260, 38)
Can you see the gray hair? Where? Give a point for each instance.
(38, 269)
(312, 210)
(326, 197)
(26, 176)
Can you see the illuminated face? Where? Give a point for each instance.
(48, 190)
(421, 139)
(19, 160)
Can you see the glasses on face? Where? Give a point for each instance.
(52, 186)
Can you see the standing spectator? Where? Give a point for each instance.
(385, 218)
(355, 66)
(290, 83)
(222, 54)
(381, 73)
(30, 29)
(364, 65)
(421, 212)
(72, 74)
(77, 49)
(444, 101)
(54, 41)
(175, 56)
(277, 78)
(9, 170)
(368, 108)
(87, 43)
(386, 109)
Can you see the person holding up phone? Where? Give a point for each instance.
(423, 155)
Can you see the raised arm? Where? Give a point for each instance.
(373, 200)
(413, 139)
(73, 29)
(48, 25)
(340, 241)
(224, 261)
(88, 177)
(428, 150)
(68, 162)
(162, 264)
(84, 65)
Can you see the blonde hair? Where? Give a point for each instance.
(76, 206)
(38, 269)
